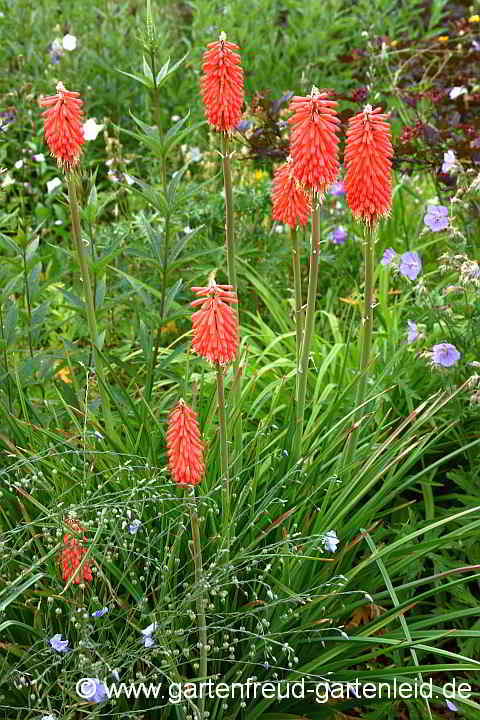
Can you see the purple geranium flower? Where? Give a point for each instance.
(445, 354)
(58, 644)
(436, 217)
(410, 265)
(412, 331)
(337, 189)
(451, 706)
(100, 613)
(339, 235)
(388, 256)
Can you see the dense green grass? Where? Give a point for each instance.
(398, 598)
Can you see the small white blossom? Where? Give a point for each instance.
(91, 129)
(53, 184)
(39, 157)
(330, 541)
(19, 164)
(69, 42)
(456, 91)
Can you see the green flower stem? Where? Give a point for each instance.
(223, 450)
(299, 315)
(232, 279)
(365, 341)
(302, 372)
(89, 302)
(200, 599)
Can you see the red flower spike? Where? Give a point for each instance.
(215, 334)
(291, 203)
(368, 161)
(314, 140)
(184, 446)
(63, 127)
(222, 85)
(72, 555)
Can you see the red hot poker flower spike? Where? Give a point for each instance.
(222, 85)
(291, 203)
(185, 446)
(63, 127)
(368, 161)
(314, 140)
(72, 554)
(215, 324)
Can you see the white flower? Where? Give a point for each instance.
(91, 129)
(457, 91)
(53, 184)
(449, 161)
(175, 118)
(48, 717)
(150, 629)
(39, 157)
(195, 154)
(129, 179)
(330, 541)
(7, 180)
(19, 164)
(69, 42)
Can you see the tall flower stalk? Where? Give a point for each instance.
(223, 96)
(292, 206)
(368, 186)
(314, 150)
(215, 337)
(64, 135)
(186, 462)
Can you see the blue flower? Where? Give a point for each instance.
(58, 644)
(92, 689)
(410, 265)
(412, 331)
(339, 235)
(134, 527)
(337, 189)
(148, 639)
(388, 256)
(445, 354)
(436, 217)
(451, 706)
(330, 541)
(100, 613)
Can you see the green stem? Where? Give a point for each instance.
(232, 279)
(302, 373)
(299, 315)
(5, 359)
(200, 598)
(27, 297)
(223, 450)
(89, 302)
(365, 340)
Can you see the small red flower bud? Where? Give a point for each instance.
(72, 555)
(63, 128)
(184, 446)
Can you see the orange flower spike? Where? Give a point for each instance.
(63, 128)
(185, 446)
(222, 85)
(72, 555)
(368, 161)
(314, 140)
(291, 203)
(215, 334)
